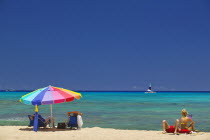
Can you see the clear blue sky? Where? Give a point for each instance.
(105, 44)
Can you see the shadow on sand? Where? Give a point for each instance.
(46, 129)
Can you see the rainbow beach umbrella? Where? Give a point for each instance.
(48, 96)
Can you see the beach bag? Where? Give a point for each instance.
(61, 126)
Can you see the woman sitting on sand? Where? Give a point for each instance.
(184, 121)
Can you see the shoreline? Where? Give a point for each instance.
(95, 133)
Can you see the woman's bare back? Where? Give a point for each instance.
(184, 121)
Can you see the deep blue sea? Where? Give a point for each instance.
(119, 110)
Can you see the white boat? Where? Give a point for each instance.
(149, 90)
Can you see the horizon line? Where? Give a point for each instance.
(114, 90)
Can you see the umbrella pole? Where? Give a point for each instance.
(51, 110)
(51, 116)
(36, 122)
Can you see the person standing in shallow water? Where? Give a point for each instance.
(185, 123)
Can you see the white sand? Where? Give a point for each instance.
(96, 133)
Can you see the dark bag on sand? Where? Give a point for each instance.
(61, 126)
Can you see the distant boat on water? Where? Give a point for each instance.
(149, 90)
(9, 90)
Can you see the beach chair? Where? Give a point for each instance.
(72, 122)
(41, 121)
(72, 119)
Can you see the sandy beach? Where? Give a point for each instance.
(96, 133)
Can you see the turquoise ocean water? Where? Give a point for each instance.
(119, 110)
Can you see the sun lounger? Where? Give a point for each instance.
(41, 121)
(73, 122)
